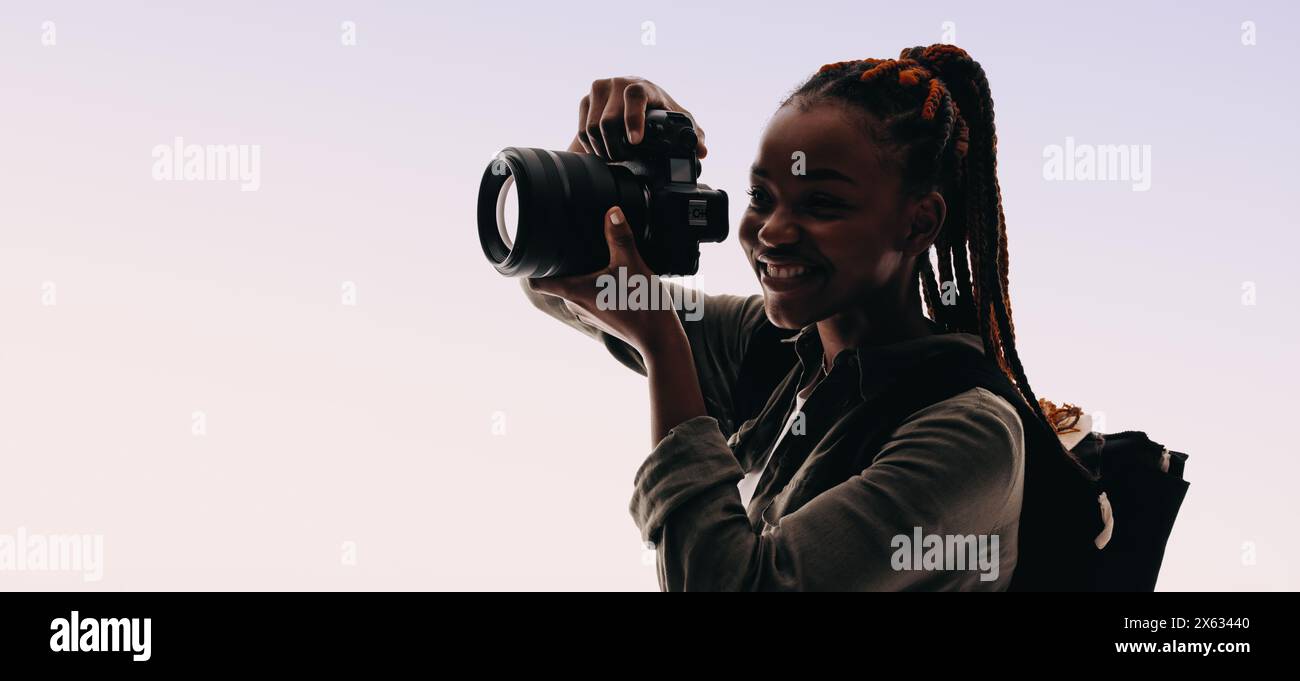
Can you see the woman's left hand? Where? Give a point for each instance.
(647, 330)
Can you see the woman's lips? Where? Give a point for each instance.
(787, 276)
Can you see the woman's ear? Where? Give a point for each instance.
(927, 213)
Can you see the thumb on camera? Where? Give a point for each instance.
(618, 236)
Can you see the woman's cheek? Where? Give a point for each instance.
(885, 269)
(856, 272)
(747, 231)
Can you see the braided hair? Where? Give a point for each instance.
(932, 111)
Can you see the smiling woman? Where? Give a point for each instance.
(799, 434)
(844, 223)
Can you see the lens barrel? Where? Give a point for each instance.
(562, 200)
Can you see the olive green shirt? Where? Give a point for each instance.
(951, 472)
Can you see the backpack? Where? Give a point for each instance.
(1143, 481)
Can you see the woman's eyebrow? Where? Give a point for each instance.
(815, 174)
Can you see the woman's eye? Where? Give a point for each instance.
(818, 206)
(758, 197)
(824, 206)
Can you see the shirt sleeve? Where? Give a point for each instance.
(954, 468)
(718, 327)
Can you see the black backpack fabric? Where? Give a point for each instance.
(1145, 499)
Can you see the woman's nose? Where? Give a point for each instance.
(778, 230)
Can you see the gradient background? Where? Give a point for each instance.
(373, 423)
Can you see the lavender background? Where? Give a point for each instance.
(373, 424)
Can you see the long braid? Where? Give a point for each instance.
(933, 106)
(1002, 304)
(929, 289)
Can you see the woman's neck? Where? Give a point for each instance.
(866, 328)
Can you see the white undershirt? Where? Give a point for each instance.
(748, 485)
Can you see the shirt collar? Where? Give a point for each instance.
(877, 366)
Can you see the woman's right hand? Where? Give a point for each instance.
(614, 111)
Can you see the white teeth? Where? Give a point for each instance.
(785, 271)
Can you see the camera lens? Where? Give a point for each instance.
(541, 213)
(507, 212)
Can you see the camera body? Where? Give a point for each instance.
(563, 197)
(682, 212)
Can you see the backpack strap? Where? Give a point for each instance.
(1060, 515)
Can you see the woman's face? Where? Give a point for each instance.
(827, 228)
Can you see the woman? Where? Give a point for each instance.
(862, 170)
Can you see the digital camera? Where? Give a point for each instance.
(541, 213)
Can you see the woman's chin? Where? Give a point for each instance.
(785, 316)
(795, 302)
